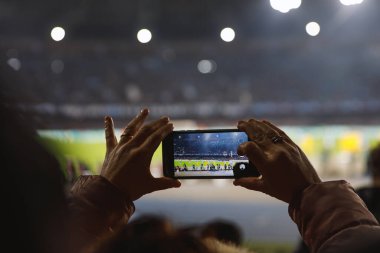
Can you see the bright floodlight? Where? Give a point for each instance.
(285, 5)
(227, 34)
(313, 28)
(350, 2)
(206, 66)
(144, 36)
(57, 33)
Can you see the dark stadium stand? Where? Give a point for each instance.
(272, 69)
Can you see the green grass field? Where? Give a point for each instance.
(270, 247)
(91, 154)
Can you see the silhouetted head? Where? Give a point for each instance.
(152, 233)
(149, 225)
(32, 188)
(373, 161)
(222, 230)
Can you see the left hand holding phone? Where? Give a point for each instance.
(127, 162)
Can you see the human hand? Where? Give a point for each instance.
(127, 162)
(285, 169)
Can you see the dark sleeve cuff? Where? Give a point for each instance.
(325, 209)
(98, 208)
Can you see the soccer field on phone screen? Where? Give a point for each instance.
(186, 167)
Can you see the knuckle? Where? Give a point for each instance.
(249, 146)
(128, 128)
(124, 148)
(282, 154)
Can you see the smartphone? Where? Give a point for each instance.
(196, 154)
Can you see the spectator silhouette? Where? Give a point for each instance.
(152, 233)
(371, 194)
(34, 208)
(222, 230)
(149, 225)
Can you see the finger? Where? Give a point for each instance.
(244, 126)
(109, 130)
(146, 131)
(149, 146)
(254, 153)
(164, 183)
(251, 183)
(133, 126)
(278, 130)
(152, 143)
(254, 129)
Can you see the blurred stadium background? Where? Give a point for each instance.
(311, 67)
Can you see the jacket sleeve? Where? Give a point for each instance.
(97, 209)
(331, 217)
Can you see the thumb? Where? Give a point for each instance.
(165, 183)
(254, 153)
(251, 183)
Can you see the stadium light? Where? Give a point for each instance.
(206, 66)
(285, 6)
(313, 28)
(351, 2)
(57, 33)
(144, 36)
(227, 34)
(57, 66)
(14, 63)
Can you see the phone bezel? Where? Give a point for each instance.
(168, 154)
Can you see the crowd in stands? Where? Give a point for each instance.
(106, 74)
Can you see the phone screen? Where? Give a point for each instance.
(206, 154)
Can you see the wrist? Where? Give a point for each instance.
(116, 186)
(296, 199)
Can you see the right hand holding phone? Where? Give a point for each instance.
(285, 169)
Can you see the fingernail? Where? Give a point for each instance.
(144, 111)
(165, 119)
(107, 120)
